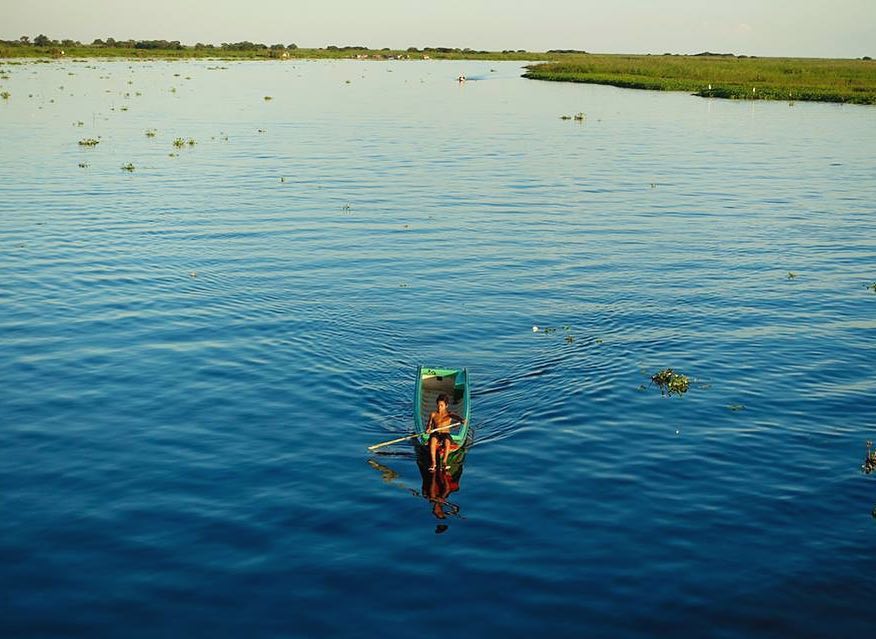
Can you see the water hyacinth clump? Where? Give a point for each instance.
(89, 142)
(128, 167)
(670, 382)
(869, 464)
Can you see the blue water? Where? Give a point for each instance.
(196, 354)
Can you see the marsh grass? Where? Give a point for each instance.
(800, 79)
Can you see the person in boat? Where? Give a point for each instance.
(441, 438)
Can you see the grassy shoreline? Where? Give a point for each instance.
(718, 76)
(791, 79)
(218, 53)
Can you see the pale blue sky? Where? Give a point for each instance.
(818, 28)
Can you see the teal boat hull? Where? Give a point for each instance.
(454, 382)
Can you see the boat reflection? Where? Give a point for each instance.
(436, 487)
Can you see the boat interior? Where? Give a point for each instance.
(434, 385)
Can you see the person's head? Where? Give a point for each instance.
(442, 399)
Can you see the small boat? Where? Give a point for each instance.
(431, 382)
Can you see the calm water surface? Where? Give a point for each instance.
(195, 355)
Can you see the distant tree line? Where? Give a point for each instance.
(244, 45)
(167, 45)
(40, 41)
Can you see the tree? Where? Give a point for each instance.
(42, 40)
(292, 46)
(24, 39)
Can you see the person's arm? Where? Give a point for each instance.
(429, 423)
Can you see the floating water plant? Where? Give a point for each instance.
(670, 382)
(871, 287)
(150, 133)
(792, 276)
(565, 117)
(5, 95)
(128, 167)
(869, 464)
(83, 165)
(579, 117)
(89, 142)
(267, 97)
(736, 407)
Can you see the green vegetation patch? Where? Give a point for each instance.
(671, 383)
(869, 464)
(89, 142)
(803, 79)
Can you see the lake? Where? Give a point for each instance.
(197, 351)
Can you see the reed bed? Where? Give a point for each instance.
(792, 79)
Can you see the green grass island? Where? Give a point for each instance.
(711, 75)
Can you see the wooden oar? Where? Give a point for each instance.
(401, 439)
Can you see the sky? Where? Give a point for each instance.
(804, 28)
